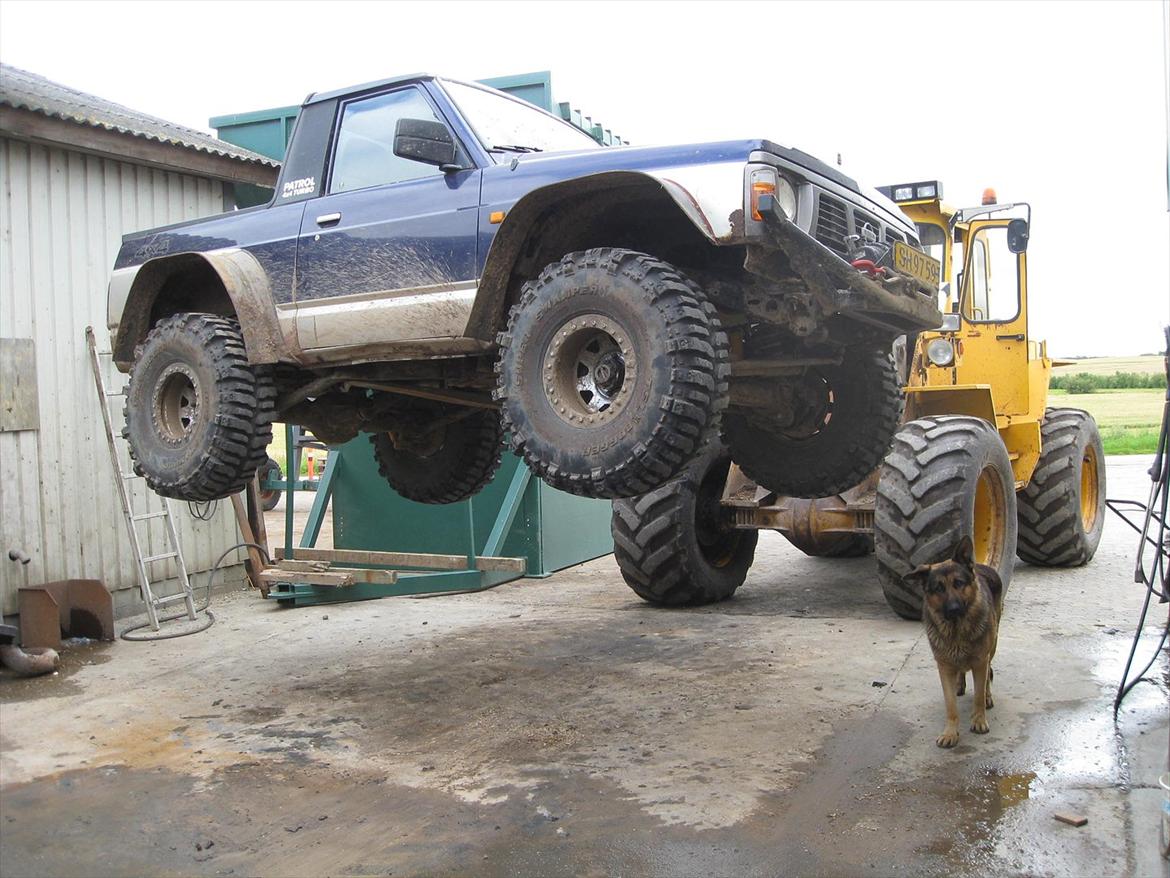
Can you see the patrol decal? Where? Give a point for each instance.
(303, 186)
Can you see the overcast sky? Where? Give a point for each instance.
(1061, 104)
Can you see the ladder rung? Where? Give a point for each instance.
(147, 515)
(129, 476)
(161, 557)
(170, 599)
(115, 393)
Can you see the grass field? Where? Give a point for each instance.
(1129, 419)
(1109, 365)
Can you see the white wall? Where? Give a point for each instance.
(62, 215)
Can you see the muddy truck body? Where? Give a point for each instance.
(443, 266)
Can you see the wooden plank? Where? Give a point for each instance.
(406, 559)
(338, 577)
(303, 566)
(326, 577)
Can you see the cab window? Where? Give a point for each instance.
(364, 154)
(992, 280)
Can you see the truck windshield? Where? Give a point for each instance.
(506, 125)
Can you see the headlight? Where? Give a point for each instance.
(941, 352)
(766, 182)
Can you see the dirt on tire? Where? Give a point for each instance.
(198, 415)
(460, 466)
(665, 383)
(866, 408)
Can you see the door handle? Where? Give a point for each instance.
(1019, 336)
(328, 219)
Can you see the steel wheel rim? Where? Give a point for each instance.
(589, 371)
(990, 518)
(1090, 486)
(176, 403)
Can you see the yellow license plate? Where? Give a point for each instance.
(917, 264)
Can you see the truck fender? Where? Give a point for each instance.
(242, 278)
(716, 211)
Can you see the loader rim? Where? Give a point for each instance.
(990, 516)
(1090, 499)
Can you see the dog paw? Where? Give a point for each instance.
(979, 726)
(947, 739)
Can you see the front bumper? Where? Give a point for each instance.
(898, 305)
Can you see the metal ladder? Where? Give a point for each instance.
(123, 478)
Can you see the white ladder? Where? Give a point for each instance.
(123, 478)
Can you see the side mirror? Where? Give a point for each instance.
(424, 140)
(1017, 235)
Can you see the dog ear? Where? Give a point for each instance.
(917, 576)
(964, 552)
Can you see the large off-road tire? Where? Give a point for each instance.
(944, 477)
(670, 544)
(1062, 509)
(613, 373)
(459, 462)
(198, 416)
(270, 497)
(853, 429)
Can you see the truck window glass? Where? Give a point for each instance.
(993, 287)
(365, 143)
(500, 121)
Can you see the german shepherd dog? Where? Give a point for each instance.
(963, 603)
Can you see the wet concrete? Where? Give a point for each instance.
(562, 727)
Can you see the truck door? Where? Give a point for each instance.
(994, 305)
(389, 253)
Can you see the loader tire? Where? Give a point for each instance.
(670, 545)
(460, 462)
(1062, 509)
(944, 478)
(613, 373)
(864, 412)
(198, 415)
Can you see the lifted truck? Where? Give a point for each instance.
(442, 264)
(979, 452)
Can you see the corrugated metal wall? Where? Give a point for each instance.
(62, 215)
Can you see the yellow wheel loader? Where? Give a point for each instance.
(978, 453)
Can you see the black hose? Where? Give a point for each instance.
(204, 607)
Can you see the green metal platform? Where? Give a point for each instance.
(478, 543)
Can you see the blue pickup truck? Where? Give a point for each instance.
(442, 265)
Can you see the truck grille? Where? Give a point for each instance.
(892, 236)
(861, 220)
(832, 224)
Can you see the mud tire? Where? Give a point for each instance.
(667, 543)
(926, 501)
(1053, 530)
(672, 405)
(459, 468)
(211, 450)
(867, 408)
(270, 497)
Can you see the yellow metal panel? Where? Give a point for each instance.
(1023, 444)
(975, 400)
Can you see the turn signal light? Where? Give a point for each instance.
(761, 187)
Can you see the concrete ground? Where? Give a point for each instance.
(563, 727)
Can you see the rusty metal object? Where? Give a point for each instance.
(77, 607)
(817, 524)
(30, 662)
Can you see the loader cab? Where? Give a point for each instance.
(981, 361)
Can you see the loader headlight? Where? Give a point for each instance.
(941, 352)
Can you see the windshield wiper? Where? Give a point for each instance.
(512, 147)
